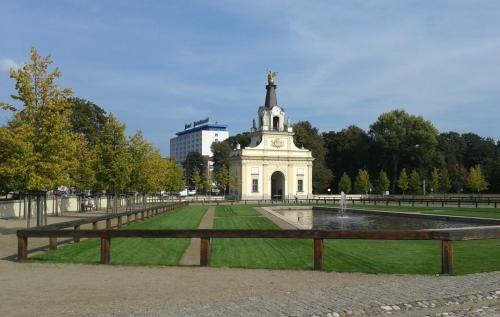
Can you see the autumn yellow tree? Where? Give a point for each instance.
(475, 180)
(41, 145)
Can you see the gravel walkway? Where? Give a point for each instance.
(34, 289)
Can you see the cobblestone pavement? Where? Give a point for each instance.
(472, 295)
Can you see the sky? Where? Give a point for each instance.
(158, 65)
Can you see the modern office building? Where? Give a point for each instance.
(197, 137)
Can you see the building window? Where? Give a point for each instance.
(217, 134)
(299, 186)
(255, 185)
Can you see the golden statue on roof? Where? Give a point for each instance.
(270, 77)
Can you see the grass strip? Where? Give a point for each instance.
(236, 211)
(135, 251)
(290, 254)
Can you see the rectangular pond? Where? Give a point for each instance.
(323, 218)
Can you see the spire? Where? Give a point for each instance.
(271, 96)
(271, 90)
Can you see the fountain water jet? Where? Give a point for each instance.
(342, 206)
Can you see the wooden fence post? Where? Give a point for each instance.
(136, 218)
(22, 248)
(76, 240)
(205, 252)
(108, 223)
(446, 257)
(119, 225)
(105, 250)
(128, 220)
(95, 225)
(53, 243)
(318, 254)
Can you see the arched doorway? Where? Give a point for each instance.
(277, 185)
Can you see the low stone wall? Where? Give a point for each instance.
(15, 208)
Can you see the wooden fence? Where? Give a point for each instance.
(446, 236)
(374, 201)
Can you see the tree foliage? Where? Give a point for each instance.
(307, 136)
(223, 178)
(40, 150)
(362, 183)
(220, 152)
(87, 119)
(399, 133)
(414, 184)
(194, 160)
(113, 158)
(403, 181)
(345, 184)
(475, 180)
(383, 183)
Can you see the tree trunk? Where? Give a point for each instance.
(395, 160)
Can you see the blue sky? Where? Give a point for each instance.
(158, 65)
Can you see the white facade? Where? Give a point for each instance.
(272, 166)
(197, 138)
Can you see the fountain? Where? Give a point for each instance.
(342, 206)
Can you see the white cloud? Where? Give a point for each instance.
(6, 64)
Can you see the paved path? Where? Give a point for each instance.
(88, 290)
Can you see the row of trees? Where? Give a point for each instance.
(56, 140)
(398, 142)
(439, 181)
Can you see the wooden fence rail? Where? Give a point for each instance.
(443, 201)
(447, 236)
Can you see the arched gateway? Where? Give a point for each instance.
(272, 167)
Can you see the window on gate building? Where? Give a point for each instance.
(255, 185)
(299, 186)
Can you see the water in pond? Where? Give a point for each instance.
(328, 220)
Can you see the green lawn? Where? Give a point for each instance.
(135, 251)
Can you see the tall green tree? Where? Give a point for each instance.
(87, 119)
(112, 158)
(40, 143)
(307, 136)
(345, 184)
(220, 152)
(243, 139)
(399, 133)
(347, 151)
(194, 160)
(383, 182)
(362, 183)
(414, 184)
(403, 181)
